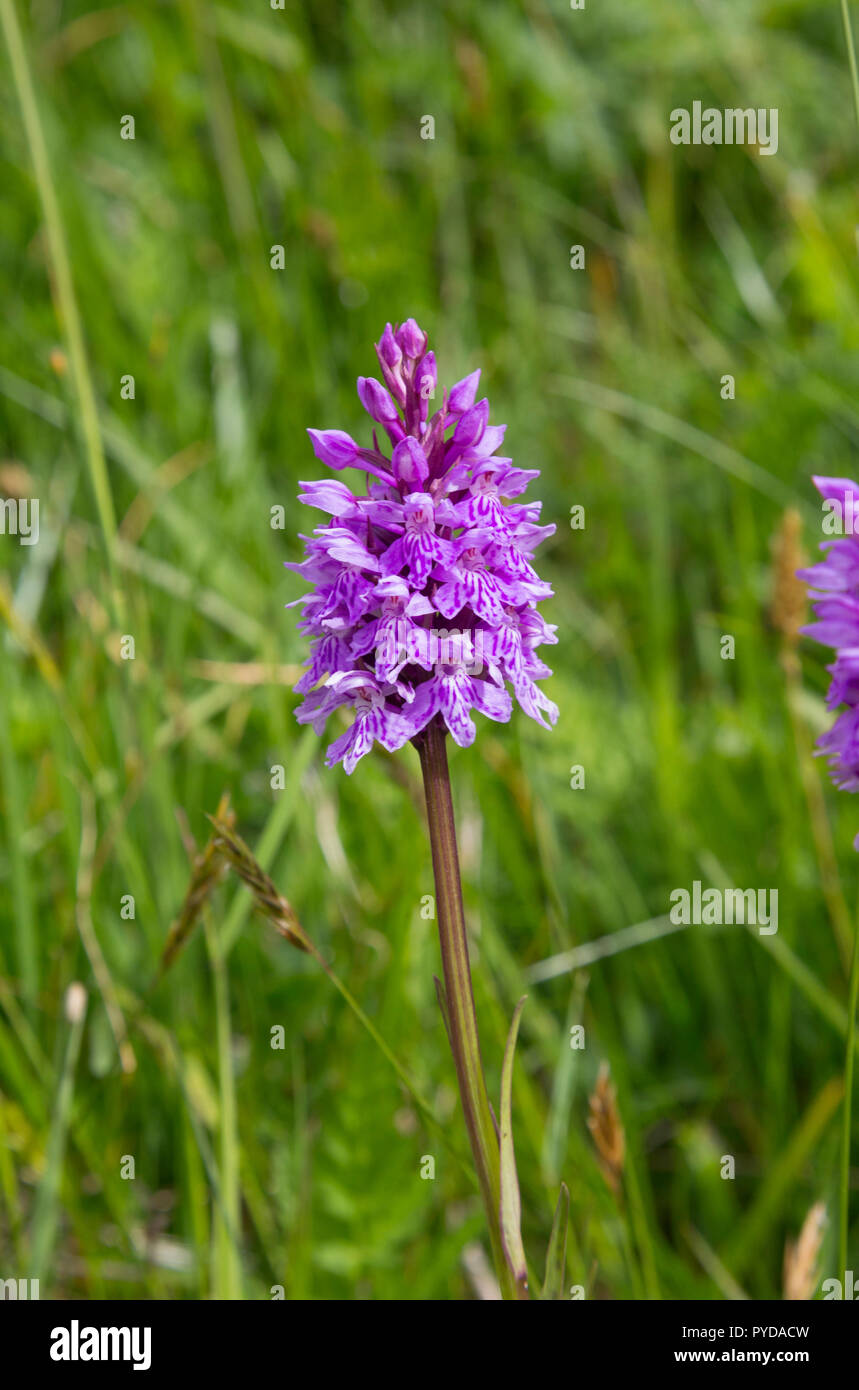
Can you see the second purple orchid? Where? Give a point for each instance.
(835, 594)
(424, 597)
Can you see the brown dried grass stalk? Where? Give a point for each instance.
(606, 1127)
(800, 1257)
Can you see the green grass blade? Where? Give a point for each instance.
(556, 1256)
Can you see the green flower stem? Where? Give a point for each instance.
(461, 1016)
(854, 969)
(847, 1113)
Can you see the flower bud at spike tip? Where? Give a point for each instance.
(388, 349)
(462, 395)
(333, 447)
(410, 465)
(469, 430)
(376, 401)
(426, 372)
(411, 339)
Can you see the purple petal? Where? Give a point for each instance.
(411, 339)
(334, 448)
(462, 395)
(329, 496)
(410, 465)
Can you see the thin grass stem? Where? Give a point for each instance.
(67, 303)
(46, 1209)
(227, 1280)
(851, 55)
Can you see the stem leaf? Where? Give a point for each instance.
(556, 1255)
(511, 1207)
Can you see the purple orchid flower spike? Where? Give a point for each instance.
(437, 517)
(422, 610)
(834, 585)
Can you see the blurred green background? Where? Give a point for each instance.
(300, 127)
